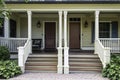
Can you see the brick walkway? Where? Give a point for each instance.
(55, 76)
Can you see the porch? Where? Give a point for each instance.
(77, 30)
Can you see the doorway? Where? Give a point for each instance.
(74, 35)
(50, 35)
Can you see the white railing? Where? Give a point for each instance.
(23, 53)
(112, 43)
(12, 43)
(103, 53)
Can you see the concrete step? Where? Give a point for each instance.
(84, 56)
(41, 59)
(41, 68)
(85, 64)
(41, 63)
(38, 71)
(83, 60)
(86, 69)
(40, 56)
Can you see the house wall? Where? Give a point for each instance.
(86, 32)
(38, 33)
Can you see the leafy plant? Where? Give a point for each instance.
(9, 69)
(112, 70)
(4, 53)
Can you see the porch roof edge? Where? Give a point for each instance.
(63, 2)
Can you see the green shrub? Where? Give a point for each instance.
(9, 68)
(112, 70)
(4, 53)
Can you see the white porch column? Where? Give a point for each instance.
(30, 27)
(96, 28)
(6, 27)
(66, 56)
(60, 65)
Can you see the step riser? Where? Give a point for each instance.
(41, 69)
(34, 71)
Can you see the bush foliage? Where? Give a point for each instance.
(9, 68)
(112, 70)
(4, 53)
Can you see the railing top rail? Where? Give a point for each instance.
(26, 43)
(101, 44)
(13, 38)
(109, 38)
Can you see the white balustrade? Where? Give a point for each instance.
(112, 43)
(12, 43)
(23, 53)
(103, 53)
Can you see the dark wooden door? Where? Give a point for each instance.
(12, 28)
(50, 35)
(74, 35)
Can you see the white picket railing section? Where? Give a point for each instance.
(112, 43)
(12, 43)
(103, 53)
(23, 53)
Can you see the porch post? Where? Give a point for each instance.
(60, 66)
(96, 28)
(30, 28)
(66, 61)
(6, 27)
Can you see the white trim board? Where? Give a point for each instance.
(52, 10)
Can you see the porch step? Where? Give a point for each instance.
(84, 62)
(41, 63)
(36, 71)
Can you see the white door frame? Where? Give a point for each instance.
(44, 33)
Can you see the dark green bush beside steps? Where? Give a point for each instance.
(8, 68)
(4, 53)
(112, 70)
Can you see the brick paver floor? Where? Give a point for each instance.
(55, 76)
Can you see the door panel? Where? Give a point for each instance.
(50, 32)
(74, 35)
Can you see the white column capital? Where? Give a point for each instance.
(29, 12)
(97, 12)
(60, 12)
(65, 12)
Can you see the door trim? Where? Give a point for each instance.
(44, 33)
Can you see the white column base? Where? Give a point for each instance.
(66, 69)
(31, 46)
(22, 68)
(60, 65)
(95, 52)
(66, 60)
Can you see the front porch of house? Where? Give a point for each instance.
(64, 30)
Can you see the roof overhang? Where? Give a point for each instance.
(63, 2)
